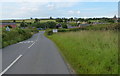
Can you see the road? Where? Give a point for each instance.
(37, 55)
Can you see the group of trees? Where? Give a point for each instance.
(62, 21)
(85, 20)
(44, 25)
(49, 24)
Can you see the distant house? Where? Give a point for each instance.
(94, 23)
(58, 25)
(69, 26)
(11, 25)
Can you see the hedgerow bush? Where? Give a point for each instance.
(112, 26)
(63, 30)
(48, 32)
(16, 35)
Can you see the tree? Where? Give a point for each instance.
(64, 25)
(23, 24)
(36, 20)
(51, 24)
(14, 20)
(44, 25)
(71, 19)
(65, 19)
(81, 19)
(51, 18)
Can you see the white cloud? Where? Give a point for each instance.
(23, 10)
(51, 6)
(78, 12)
(74, 12)
(43, 9)
(70, 12)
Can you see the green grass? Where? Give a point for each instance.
(89, 52)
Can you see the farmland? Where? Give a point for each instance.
(89, 52)
(18, 22)
(26, 20)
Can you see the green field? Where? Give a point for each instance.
(26, 20)
(89, 52)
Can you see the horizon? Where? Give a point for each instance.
(53, 18)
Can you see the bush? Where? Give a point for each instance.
(73, 24)
(112, 26)
(16, 35)
(49, 24)
(48, 32)
(74, 29)
(64, 25)
(63, 30)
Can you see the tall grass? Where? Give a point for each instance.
(89, 52)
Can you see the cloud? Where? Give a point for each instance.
(54, 9)
(70, 12)
(74, 12)
(51, 6)
(78, 12)
(22, 9)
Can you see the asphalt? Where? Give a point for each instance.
(39, 56)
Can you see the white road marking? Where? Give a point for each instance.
(31, 45)
(34, 42)
(25, 42)
(10, 65)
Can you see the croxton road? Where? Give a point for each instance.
(37, 55)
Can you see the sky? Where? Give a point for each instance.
(22, 10)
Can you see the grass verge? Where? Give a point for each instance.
(89, 52)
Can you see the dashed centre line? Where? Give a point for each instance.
(25, 42)
(31, 45)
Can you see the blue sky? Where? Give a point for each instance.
(13, 10)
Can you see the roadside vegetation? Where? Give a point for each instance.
(16, 35)
(89, 52)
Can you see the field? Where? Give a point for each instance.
(26, 20)
(89, 52)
